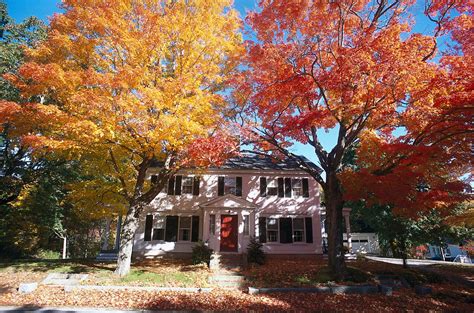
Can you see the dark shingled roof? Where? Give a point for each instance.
(255, 162)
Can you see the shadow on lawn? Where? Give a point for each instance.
(181, 264)
(72, 266)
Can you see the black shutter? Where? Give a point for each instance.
(308, 224)
(171, 186)
(286, 230)
(177, 187)
(281, 188)
(263, 186)
(196, 183)
(220, 186)
(195, 228)
(154, 179)
(238, 186)
(262, 229)
(305, 188)
(171, 233)
(287, 187)
(158, 234)
(148, 226)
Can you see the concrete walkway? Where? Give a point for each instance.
(414, 262)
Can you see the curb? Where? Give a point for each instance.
(137, 288)
(367, 289)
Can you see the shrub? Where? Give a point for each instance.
(201, 253)
(255, 252)
(47, 254)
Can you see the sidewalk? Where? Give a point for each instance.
(18, 309)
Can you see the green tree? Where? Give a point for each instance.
(399, 234)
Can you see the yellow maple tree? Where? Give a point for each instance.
(124, 84)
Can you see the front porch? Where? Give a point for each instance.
(228, 224)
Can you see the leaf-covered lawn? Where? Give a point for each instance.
(290, 272)
(223, 300)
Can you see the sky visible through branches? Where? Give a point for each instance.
(21, 9)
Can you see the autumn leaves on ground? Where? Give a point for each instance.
(277, 272)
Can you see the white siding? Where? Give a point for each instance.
(274, 206)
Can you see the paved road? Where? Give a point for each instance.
(414, 262)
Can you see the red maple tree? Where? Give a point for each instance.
(398, 97)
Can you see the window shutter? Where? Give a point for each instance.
(308, 225)
(195, 228)
(262, 229)
(263, 186)
(177, 187)
(171, 232)
(196, 182)
(287, 187)
(281, 188)
(286, 230)
(148, 226)
(154, 179)
(238, 186)
(305, 188)
(220, 186)
(171, 186)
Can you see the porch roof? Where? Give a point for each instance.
(228, 201)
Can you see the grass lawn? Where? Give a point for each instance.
(160, 272)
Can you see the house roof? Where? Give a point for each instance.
(257, 162)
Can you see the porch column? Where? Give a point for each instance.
(346, 213)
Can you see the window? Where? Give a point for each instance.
(212, 224)
(230, 185)
(272, 230)
(272, 187)
(184, 228)
(285, 230)
(246, 225)
(187, 185)
(298, 230)
(178, 185)
(297, 187)
(159, 228)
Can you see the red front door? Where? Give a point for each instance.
(229, 233)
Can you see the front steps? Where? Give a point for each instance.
(226, 270)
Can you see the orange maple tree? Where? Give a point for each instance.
(402, 99)
(125, 85)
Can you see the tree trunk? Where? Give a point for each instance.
(334, 204)
(64, 247)
(117, 233)
(129, 228)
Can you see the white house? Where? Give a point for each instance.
(247, 196)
